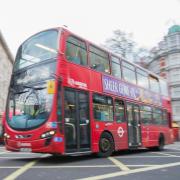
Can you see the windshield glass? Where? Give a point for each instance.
(29, 107)
(38, 48)
(35, 74)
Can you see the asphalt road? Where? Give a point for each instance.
(126, 165)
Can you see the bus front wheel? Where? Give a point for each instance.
(106, 145)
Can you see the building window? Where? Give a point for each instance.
(174, 59)
(174, 75)
(162, 63)
(116, 68)
(129, 72)
(76, 51)
(175, 92)
(102, 107)
(176, 109)
(164, 87)
(99, 60)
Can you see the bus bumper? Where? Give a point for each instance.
(49, 145)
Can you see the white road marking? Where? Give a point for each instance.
(52, 167)
(23, 169)
(122, 157)
(166, 154)
(85, 166)
(128, 157)
(19, 153)
(18, 157)
(143, 165)
(20, 171)
(175, 149)
(174, 152)
(122, 173)
(3, 152)
(119, 164)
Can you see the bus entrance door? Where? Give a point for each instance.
(77, 123)
(134, 127)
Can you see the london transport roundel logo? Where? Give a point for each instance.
(120, 131)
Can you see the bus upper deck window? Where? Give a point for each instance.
(154, 84)
(76, 51)
(99, 60)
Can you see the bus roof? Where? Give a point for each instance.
(113, 54)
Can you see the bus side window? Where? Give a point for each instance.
(102, 107)
(116, 67)
(99, 60)
(119, 111)
(76, 51)
(142, 78)
(157, 116)
(154, 84)
(129, 73)
(146, 115)
(165, 118)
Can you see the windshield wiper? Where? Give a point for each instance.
(32, 87)
(16, 88)
(21, 92)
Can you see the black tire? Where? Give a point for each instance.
(161, 144)
(106, 145)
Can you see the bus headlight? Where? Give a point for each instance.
(48, 134)
(6, 135)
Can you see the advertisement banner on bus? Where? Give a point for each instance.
(120, 88)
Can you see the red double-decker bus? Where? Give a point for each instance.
(69, 96)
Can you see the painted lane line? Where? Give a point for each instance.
(122, 173)
(20, 171)
(174, 152)
(119, 164)
(89, 166)
(18, 157)
(143, 165)
(53, 167)
(165, 154)
(3, 152)
(177, 149)
(23, 169)
(21, 153)
(132, 157)
(123, 157)
(10, 167)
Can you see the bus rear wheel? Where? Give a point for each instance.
(106, 145)
(161, 144)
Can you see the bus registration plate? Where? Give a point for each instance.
(25, 149)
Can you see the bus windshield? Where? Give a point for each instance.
(29, 102)
(28, 107)
(38, 48)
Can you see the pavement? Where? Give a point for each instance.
(125, 165)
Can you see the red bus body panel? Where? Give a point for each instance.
(84, 78)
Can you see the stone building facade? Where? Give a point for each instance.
(6, 64)
(166, 63)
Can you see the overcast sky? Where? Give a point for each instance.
(95, 20)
